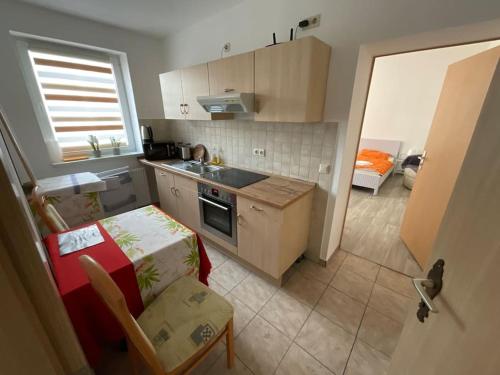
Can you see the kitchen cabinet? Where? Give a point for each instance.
(271, 239)
(290, 81)
(234, 73)
(179, 89)
(171, 92)
(179, 198)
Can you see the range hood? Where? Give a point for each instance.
(232, 102)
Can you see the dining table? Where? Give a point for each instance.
(144, 251)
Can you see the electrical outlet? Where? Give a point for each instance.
(324, 168)
(227, 47)
(313, 22)
(259, 152)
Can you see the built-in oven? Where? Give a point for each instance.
(218, 212)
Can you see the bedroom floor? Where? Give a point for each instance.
(372, 226)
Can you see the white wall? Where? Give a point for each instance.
(404, 92)
(345, 25)
(145, 58)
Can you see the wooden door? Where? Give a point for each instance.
(166, 191)
(290, 81)
(457, 113)
(259, 235)
(171, 92)
(463, 337)
(195, 83)
(188, 210)
(235, 73)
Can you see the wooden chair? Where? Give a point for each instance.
(149, 337)
(47, 212)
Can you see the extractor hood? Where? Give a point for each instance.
(232, 102)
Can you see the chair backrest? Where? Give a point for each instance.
(47, 212)
(113, 297)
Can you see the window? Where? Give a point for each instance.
(78, 95)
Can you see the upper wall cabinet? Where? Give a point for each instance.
(179, 90)
(235, 73)
(290, 81)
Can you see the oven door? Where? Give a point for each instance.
(218, 218)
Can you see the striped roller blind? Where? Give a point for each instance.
(81, 99)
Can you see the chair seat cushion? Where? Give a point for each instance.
(183, 318)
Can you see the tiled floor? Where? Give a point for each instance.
(344, 319)
(372, 226)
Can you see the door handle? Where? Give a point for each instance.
(428, 289)
(213, 203)
(420, 285)
(422, 159)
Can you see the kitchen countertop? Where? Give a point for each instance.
(276, 191)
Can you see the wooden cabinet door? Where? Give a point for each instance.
(171, 92)
(462, 98)
(188, 209)
(235, 73)
(166, 191)
(195, 83)
(290, 81)
(259, 235)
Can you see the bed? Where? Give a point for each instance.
(372, 179)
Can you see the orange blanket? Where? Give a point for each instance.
(373, 160)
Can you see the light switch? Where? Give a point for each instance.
(324, 168)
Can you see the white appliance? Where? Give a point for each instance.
(231, 102)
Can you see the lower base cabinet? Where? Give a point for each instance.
(271, 239)
(179, 198)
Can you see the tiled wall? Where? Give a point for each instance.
(292, 150)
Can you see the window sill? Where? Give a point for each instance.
(106, 157)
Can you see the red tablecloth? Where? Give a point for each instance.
(92, 321)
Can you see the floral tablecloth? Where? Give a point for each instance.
(160, 248)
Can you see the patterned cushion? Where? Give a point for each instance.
(182, 319)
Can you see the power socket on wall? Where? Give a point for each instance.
(259, 152)
(310, 22)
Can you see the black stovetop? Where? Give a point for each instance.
(234, 177)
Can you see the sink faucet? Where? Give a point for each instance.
(202, 162)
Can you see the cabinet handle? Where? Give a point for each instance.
(187, 108)
(256, 208)
(228, 90)
(181, 106)
(162, 174)
(238, 218)
(177, 192)
(172, 190)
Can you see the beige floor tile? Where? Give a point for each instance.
(212, 357)
(285, 313)
(380, 332)
(216, 257)
(304, 290)
(327, 342)
(341, 309)
(365, 360)
(220, 367)
(396, 281)
(229, 274)
(389, 303)
(353, 285)
(216, 287)
(299, 362)
(313, 270)
(242, 314)
(360, 266)
(254, 292)
(336, 260)
(261, 346)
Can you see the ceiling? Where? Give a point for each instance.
(155, 17)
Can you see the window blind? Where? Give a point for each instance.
(81, 99)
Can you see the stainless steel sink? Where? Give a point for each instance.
(193, 167)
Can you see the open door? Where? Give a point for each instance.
(463, 338)
(460, 103)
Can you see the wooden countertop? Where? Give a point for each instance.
(276, 191)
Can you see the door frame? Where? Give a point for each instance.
(449, 37)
